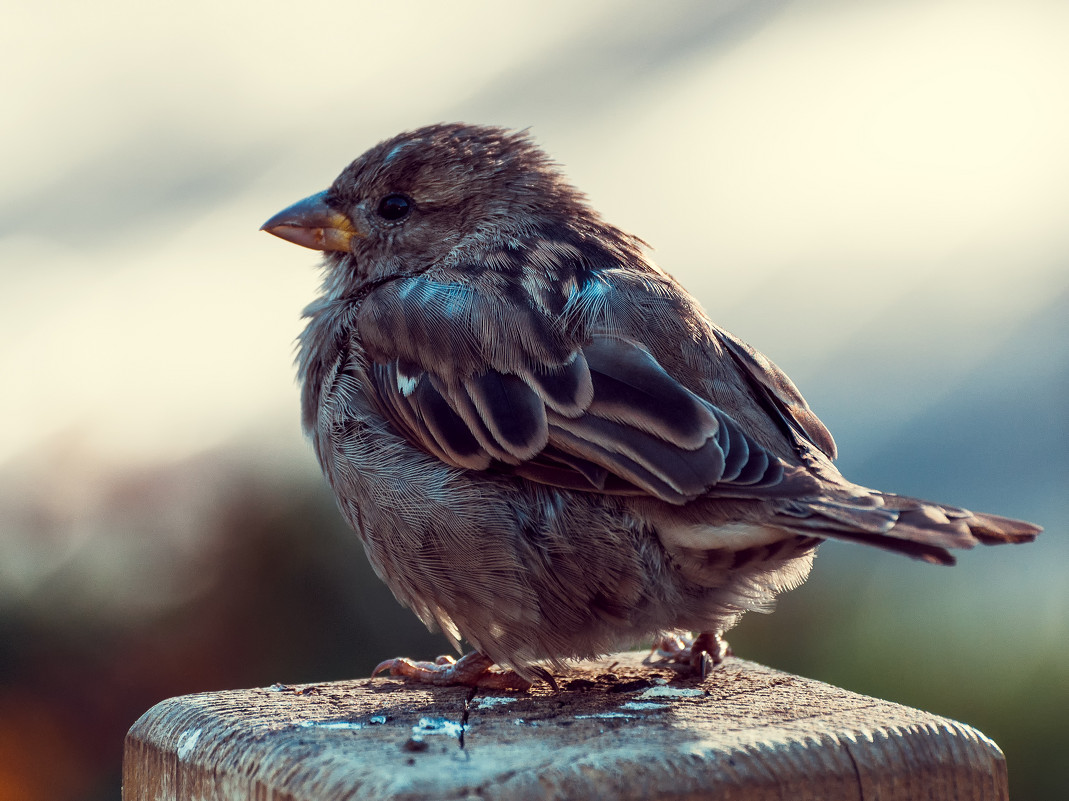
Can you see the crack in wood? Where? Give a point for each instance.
(464, 717)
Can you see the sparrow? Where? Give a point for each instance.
(544, 443)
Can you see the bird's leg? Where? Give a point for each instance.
(471, 670)
(702, 653)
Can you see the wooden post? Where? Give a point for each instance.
(617, 729)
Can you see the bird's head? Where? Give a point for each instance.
(440, 194)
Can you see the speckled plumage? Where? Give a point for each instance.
(546, 447)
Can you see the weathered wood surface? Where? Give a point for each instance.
(627, 731)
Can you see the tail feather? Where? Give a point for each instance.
(998, 530)
(910, 526)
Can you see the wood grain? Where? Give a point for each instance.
(626, 731)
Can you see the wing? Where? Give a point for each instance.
(485, 378)
(778, 395)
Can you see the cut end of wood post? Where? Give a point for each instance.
(617, 729)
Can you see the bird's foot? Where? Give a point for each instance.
(471, 670)
(701, 653)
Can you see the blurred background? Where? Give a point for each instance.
(876, 195)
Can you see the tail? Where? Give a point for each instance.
(916, 528)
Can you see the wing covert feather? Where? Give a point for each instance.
(564, 407)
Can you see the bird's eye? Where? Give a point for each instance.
(394, 207)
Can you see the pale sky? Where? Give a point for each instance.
(805, 169)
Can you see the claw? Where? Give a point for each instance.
(703, 653)
(471, 670)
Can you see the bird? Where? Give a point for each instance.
(546, 446)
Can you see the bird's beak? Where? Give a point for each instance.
(312, 223)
